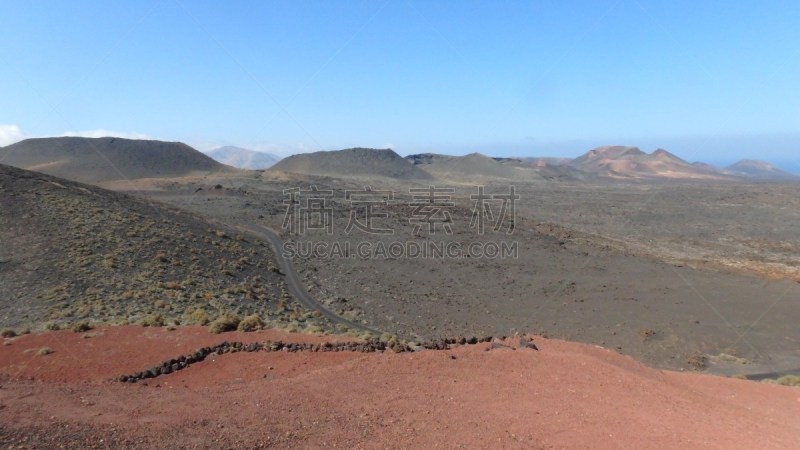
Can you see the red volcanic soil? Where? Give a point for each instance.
(564, 395)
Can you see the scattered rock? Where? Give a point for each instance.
(527, 342)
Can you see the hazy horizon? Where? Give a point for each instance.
(780, 157)
(541, 79)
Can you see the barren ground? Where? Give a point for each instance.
(563, 395)
(686, 276)
(680, 275)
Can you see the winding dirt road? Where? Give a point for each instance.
(293, 279)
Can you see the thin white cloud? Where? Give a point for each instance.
(106, 133)
(10, 134)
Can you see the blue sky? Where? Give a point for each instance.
(712, 81)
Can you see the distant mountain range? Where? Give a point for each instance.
(243, 158)
(631, 162)
(100, 160)
(610, 161)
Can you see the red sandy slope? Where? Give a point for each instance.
(564, 395)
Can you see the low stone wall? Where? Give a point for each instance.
(173, 365)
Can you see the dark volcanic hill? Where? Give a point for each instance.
(353, 162)
(536, 161)
(93, 160)
(477, 167)
(548, 168)
(469, 167)
(243, 158)
(760, 170)
(71, 252)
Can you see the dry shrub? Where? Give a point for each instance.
(8, 333)
(153, 320)
(789, 380)
(198, 316)
(251, 323)
(81, 327)
(223, 323)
